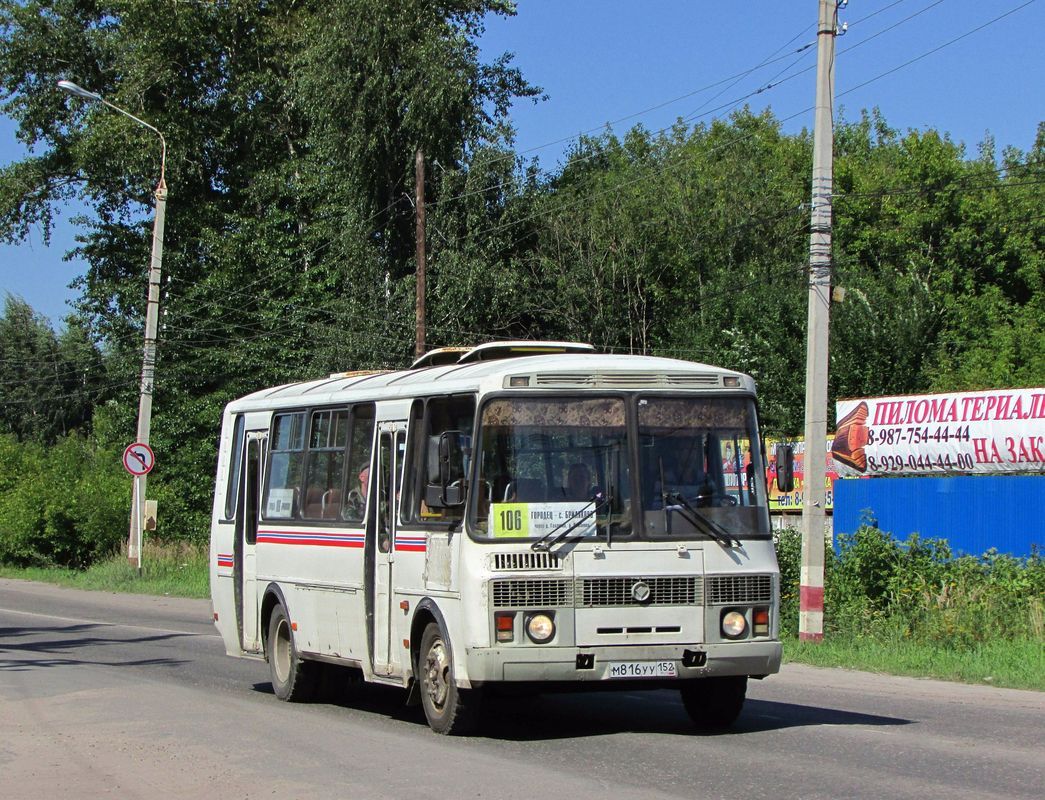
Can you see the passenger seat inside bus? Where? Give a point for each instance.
(321, 504)
(525, 490)
(331, 504)
(313, 508)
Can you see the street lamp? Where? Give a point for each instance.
(151, 317)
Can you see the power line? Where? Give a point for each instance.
(498, 228)
(731, 80)
(655, 168)
(936, 49)
(895, 25)
(924, 189)
(771, 59)
(734, 78)
(93, 392)
(261, 330)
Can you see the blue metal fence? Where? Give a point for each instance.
(973, 514)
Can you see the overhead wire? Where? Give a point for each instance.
(774, 83)
(879, 76)
(261, 330)
(95, 392)
(730, 80)
(961, 186)
(771, 59)
(495, 229)
(936, 49)
(243, 290)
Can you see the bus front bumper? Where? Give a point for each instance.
(587, 665)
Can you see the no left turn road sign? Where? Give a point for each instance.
(138, 459)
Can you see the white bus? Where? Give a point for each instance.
(526, 514)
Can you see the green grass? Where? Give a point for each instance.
(917, 608)
(1017, 664)
(178, 570)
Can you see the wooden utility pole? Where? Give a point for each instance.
(419, 191)
(811, 584)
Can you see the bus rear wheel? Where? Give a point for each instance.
(714, 703)
(449, 710)
(293, 679)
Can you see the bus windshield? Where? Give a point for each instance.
(549, 463)
(700, 467)
(551, 467)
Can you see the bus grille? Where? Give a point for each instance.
(531, 593)
(729, 589)
(664, 591)
(687, 590)
(521, 562)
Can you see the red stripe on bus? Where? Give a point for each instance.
(312, 542)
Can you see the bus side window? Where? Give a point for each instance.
(360, 449)
(441, 414)
(235, 463)
(286, 459)
(325, 474)
(385, 495)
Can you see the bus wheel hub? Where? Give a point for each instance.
(436, 669)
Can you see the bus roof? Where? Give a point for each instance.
(537, 368)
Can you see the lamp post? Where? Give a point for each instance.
(151, 318)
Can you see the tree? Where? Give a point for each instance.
(685, 244)
(292, 128)
(49, 384)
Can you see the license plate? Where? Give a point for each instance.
(642, 669)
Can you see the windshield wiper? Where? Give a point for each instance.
(698, 520)
(557, 534)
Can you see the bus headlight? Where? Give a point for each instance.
(734, 625)
(540, 628)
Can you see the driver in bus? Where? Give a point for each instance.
(356, 501)
(578, 482)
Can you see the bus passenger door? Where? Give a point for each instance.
(247, 512)
(391, 445)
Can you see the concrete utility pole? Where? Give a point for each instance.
(152, 313)
(151, 318)
(811, 589)
(419, 190)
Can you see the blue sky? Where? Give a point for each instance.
(613, 61)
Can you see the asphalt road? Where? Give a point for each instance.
(132, 697)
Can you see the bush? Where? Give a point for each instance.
(918, 590)
(789, 556)
(65, 505)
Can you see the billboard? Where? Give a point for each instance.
(792, 501)
(994, 431)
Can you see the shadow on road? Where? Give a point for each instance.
(767, 715)
(658, 712)
(59, 646)
(566, 716)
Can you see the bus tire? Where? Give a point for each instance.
(293, 678)
(449, 710)
(714, 703)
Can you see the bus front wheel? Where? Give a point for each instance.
(449, 710)
(293, 679)
(714, 703)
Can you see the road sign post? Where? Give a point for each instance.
(138, 460)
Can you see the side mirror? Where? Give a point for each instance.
(785, 468)
(451, 469)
